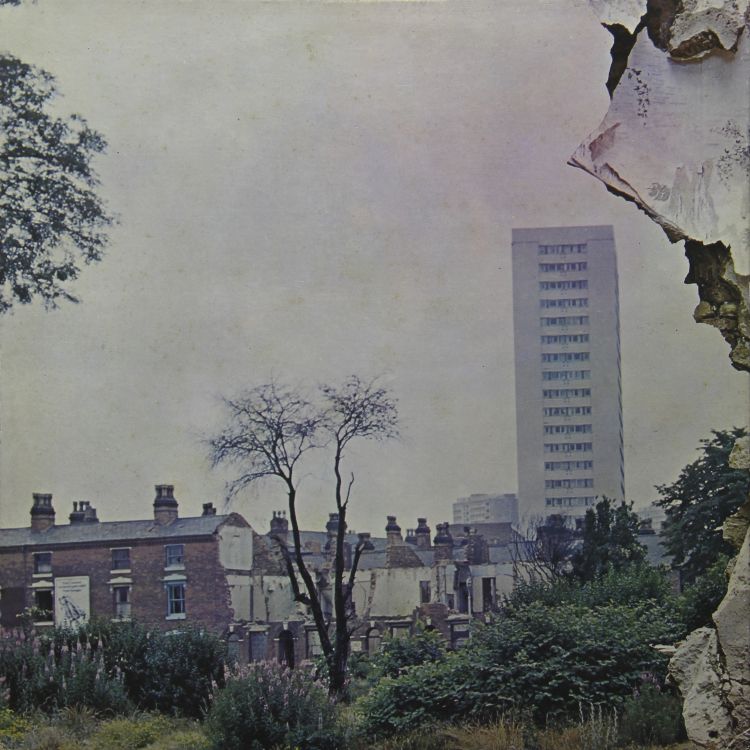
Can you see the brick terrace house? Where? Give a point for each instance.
(166, 571)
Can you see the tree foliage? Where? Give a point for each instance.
(51, 218)
(269, 431)
(705, 494)
(609, 541)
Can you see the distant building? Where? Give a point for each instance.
(486, 509)
(567, 352)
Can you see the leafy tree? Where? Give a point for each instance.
(705, 494)
(269, 430)
(610, 540)
(51, 218)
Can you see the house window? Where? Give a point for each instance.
(175, 600)
(400, 631)
(373, 639)
(175, 554)
(121, 559)
(44, 605)
(42, 562)
(488, 594)
(424, 592)
(121, 595)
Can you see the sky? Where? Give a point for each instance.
(309, 190)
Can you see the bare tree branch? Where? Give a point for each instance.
(269, 431)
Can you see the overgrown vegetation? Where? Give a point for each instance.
(544, 661)
(270, 707)
(111, 668)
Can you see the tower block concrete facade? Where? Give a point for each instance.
(567, 352)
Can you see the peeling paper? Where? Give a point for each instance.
(675, 141)
(625, 13)
(703, 25)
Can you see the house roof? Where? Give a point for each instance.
(115, 531)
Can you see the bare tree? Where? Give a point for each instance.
(269, 430)
(544, 552)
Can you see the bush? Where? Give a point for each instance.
(181, 672)
(699, 600)
(54, 671)
(544, 660)
(633, 585)
(12, 726)
(397, 654)
(652, 716)
(130, 734)
(111, 668)
(269, 707)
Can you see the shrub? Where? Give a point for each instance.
(12, 726)
(544, 660)
(268, 707)
(130, 734)
(111, 668)
(397, 654)
(652, 716)
(56, 670)
(181, 671)
(633, 585)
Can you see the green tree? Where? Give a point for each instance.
(51, 218)
(610, 541)
(705, 494)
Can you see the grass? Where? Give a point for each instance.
(80, 729)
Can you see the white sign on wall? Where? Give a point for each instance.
(72, 601)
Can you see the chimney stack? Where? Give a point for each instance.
(165, 505)
(83, 512)
(393, 531)
(208, 509)
(279, 526)
(422, 533)
(365, 541)
(42, 512)
(77, 515)
(443, 542)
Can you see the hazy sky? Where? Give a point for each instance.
(308, 190)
